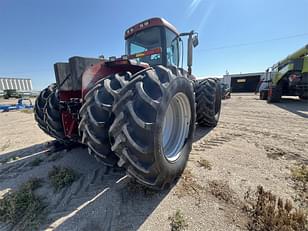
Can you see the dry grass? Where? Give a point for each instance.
(300, 175)
(177, 221)
(268, 212)
(222, 191)
(61, 177)
(27, 111)
(22, 208)
(188, 186)
(205, 164)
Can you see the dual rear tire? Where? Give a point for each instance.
(47, 114)
(144, 123)
(97, 116)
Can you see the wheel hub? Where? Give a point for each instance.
(176, 126)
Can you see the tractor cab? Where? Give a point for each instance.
(161, 40)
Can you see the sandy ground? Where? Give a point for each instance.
(254, 144)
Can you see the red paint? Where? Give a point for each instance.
(152, 22)
(270, 91)
(67, 95)
(102, 70)
(89, 78)
(70, 125)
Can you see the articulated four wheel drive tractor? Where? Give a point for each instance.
(138, 111)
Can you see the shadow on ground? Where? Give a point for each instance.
(296, 106)
(200, 132)
(101, 198)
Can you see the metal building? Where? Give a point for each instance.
(246, 82)
(14, 83)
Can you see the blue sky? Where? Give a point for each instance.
(34, 34)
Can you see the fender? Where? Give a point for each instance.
(103, 69)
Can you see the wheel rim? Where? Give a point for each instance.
(176, 126)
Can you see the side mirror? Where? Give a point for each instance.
(195, 40)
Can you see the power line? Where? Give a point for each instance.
(253, 43)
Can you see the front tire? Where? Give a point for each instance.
(208, 99)
(153, 129)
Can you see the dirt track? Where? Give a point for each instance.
(254, 144)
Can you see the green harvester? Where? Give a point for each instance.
(289, 77)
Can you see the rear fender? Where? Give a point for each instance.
(103, 69)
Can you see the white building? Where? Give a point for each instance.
(16, 83)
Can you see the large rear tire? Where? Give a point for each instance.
(47, 114)
(96, 117)
(208, 99)
(152, 133)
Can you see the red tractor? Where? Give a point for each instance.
(138, 111)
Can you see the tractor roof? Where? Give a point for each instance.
(147, 24)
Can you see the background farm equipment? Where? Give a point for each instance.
(11, 93)
(225, 91)
(21, 105)
(289, 77)
(137, 111)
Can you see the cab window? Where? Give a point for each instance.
(145, 40)
(172, 45)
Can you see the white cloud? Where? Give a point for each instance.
(201, 9)
(193, 7)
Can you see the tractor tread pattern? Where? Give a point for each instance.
(205, 91)
(133, 130)
(96, 117)
(47, 114)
